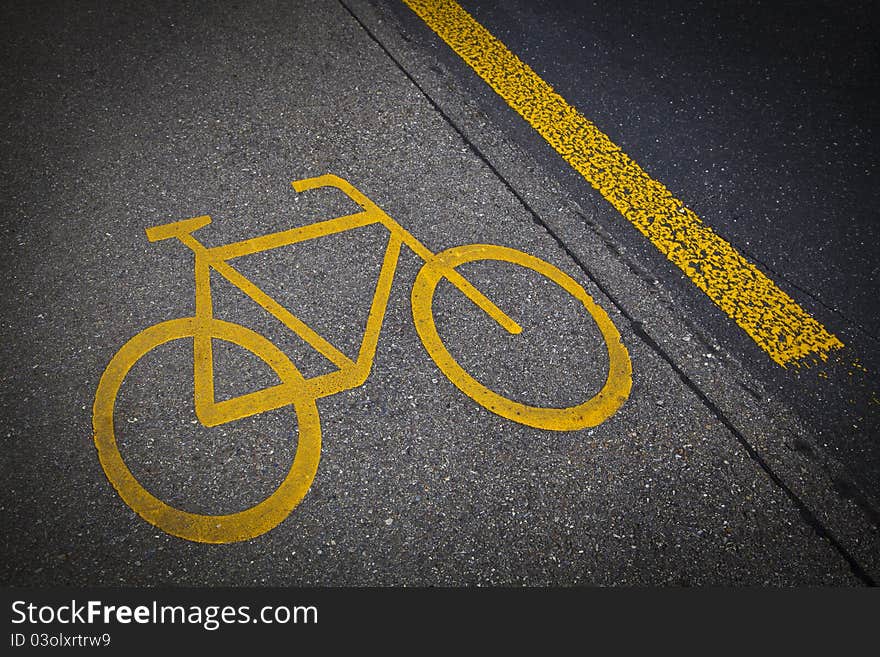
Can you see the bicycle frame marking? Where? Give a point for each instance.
(300, 393)
(350, 373)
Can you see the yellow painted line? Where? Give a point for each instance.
(770, 316)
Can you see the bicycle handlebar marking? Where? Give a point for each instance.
(301, 393)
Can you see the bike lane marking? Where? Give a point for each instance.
(301, 393)
(776, 323)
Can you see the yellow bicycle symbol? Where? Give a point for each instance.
(294, 389)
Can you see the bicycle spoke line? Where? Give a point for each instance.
(774, 321)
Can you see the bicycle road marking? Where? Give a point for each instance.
(783, 329)
(301, 393)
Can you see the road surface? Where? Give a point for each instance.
(703, 462)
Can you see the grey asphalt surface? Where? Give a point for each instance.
(762, 117)
(118, 119)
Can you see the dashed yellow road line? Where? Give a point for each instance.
(770, 316)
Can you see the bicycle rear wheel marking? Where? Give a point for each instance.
(590, 413)
(225, 528)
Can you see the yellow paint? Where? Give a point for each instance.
(770, 316)
(588, 414)
(301, 393)
(193, 526)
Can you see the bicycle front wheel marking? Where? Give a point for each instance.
(202, 528)
(590, 413)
